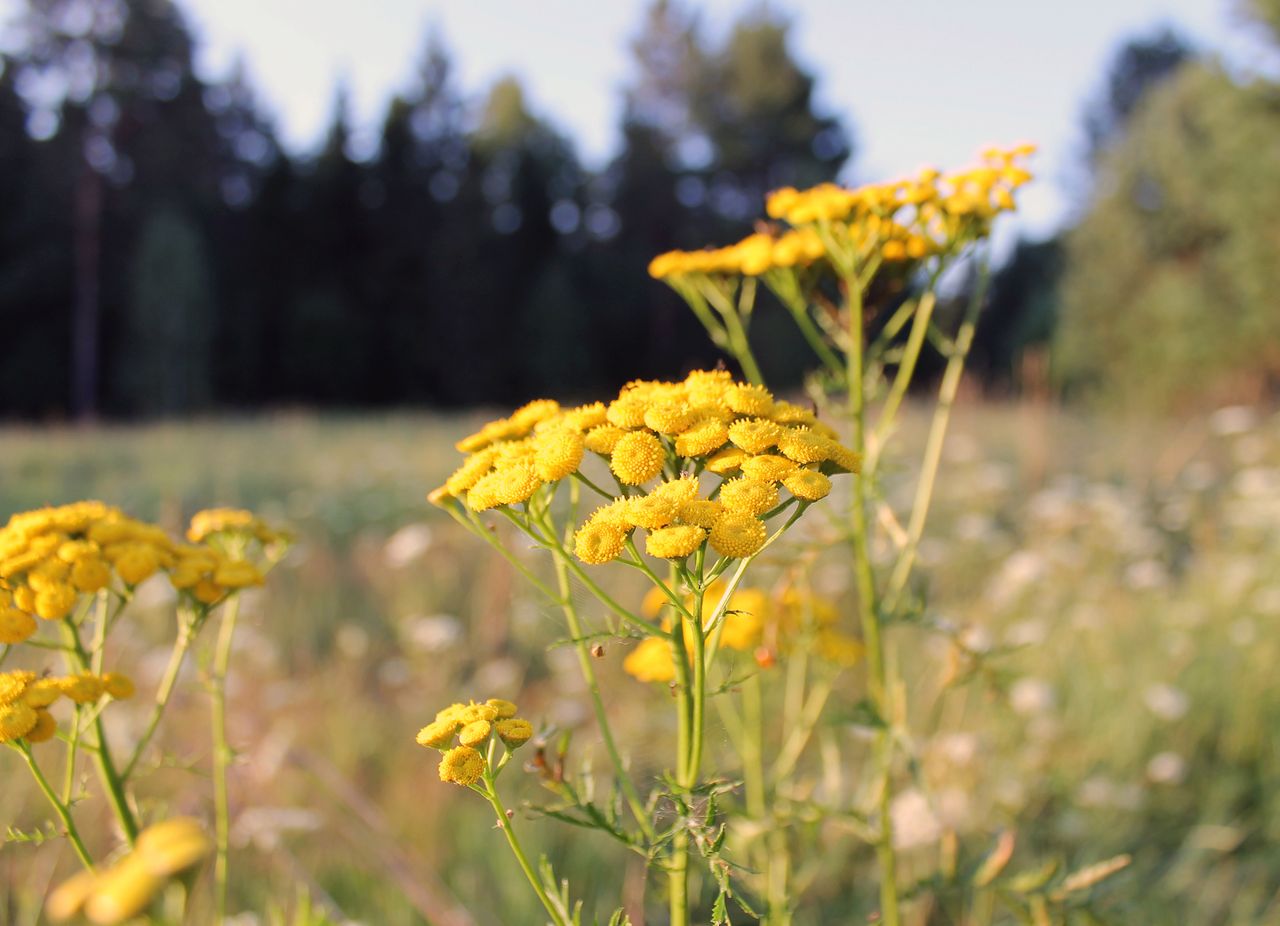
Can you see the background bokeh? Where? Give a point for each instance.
(206, 298)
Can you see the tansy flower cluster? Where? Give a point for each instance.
(464, 731)
(51, 556)
(753, 622)
(672, 433)
(234, 522)
(124, 890)
(902, 220)
(25, 699)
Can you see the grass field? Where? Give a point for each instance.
(1095, 670)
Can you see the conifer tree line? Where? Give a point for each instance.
(161, 253)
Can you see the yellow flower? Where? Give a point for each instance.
(668, 417)
(462, 765)
(804, 446)
(844, 458)
(122, 892)
(808, 484)
(651, 511)
(748, 496)
(651, 661)
(16, 720)
(754, 435)
(44, 728)
(55, 602)
(469, 473)
(474, 733)
(516, 484)
(438, 734)
(598, 542)
(585, 417)
(84, 688)
(637, 458)
(603, 438)
(727, 461)
(557, 453)
(13, 684)
(90, 575)
(675, 542)
(42, 692)
(700, 512)
(68, 898)
(119, 686)
(737, 535)
(16, 626)
(237, 574)
(173, 845)
(768, 467)
(514, 732)
(503, 709)
(137, 564)
(702, 437)
(627, 411)
(749, 400)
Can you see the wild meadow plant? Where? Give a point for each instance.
(711, 472)
(67, 577)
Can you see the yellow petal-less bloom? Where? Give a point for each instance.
(172, 846)
(15, 626)
(55, 602)
(804, 445)
(42, 692)
(651, 511)
(844, 457)
(513, 732)
(68, 898)
(627, 411)
(44, 729)
(585, 417)
(122, 892)
(599, 542)
(90, 575)
(700, 512)
(768, 467)
(137, 564)
(84, 688)
(748, 496)
(737, 535)
(755, 435)
(237, 574)
(604, 438)
(668, 417)
(517, 484)
(727, 461)
(749, 400)
(462, 765)
(475, 733)
(557, 453)
(469, 473)
(808, 484)
(674, 542)
(119, 686)
(637, 458)
(438, 734)
(503, 709)
(16, 720)
(702, 438)
(651, 661)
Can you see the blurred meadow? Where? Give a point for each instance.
(282, 257)
(1121, 579)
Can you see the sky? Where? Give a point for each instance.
(921, 82)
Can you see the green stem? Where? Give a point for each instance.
(902, 379)
(221, 754)
(78, 660)
(597, 703)
(738, 344)
(699, 712)
(798, 307)
(870, 615)
(504, 823)
(73, 752)
(937, 436)
(186, 633)
(61, 808)
(678, 872)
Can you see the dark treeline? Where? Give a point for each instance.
(161, 253)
